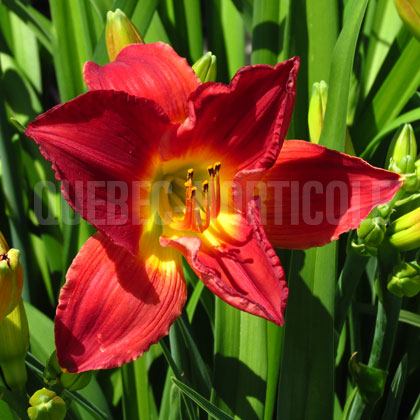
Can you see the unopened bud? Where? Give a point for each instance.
(75, 381)
(409, 11)
(205, 67)
(405, 231)
(316, 115)
(14, 344)
(46, 405)
(11, 278)
(405, 280)
(372, 231)
(317, 106)
(402, 151)
(120, 32)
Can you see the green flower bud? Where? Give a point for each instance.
(404, 280)
(120, 32)
(372, 231)
(409, 11)
(317, 106)
(14, 344)
(205, 67)
(75, 381)
(316, 114)
(405, 231)
(46, 405)
(11, 278)
(402, 151)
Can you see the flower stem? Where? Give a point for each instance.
(385, 329)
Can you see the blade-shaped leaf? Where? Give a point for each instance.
(206, 405)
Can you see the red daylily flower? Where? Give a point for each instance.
(146, 121)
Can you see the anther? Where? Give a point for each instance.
(210, 170)
(217, 167)
(190, 174)
(205, 186)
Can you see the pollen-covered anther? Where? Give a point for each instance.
(190, 174)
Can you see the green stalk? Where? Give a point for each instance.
(385, 330)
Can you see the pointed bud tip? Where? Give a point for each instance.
(205, 67)
(119, 33)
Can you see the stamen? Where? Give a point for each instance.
(205, 189)
(193, 225)
(217, 167)
(213, 214)
(209, 203)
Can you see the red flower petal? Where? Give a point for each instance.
(245, 122)
(114, 305)
(99, 143)
(237, 263)
(315, 194)
(153, 71)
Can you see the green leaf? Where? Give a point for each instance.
(143, 14)
(194, 28)
(192, 415)
(306, 386)
(406, 118)
(226, 37)
(334, 129)
(137, 394)
(370, 381)
(199, 371)
(5, 411)
(40, 25)
(240, 353)
(69, 51)
(12, 188)
(409, 318)
(396, 392)
(206, 405)
(385, 27)
(41, 330)
(25, 49)
(265, 32)
(322, 26)
(400, 85)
